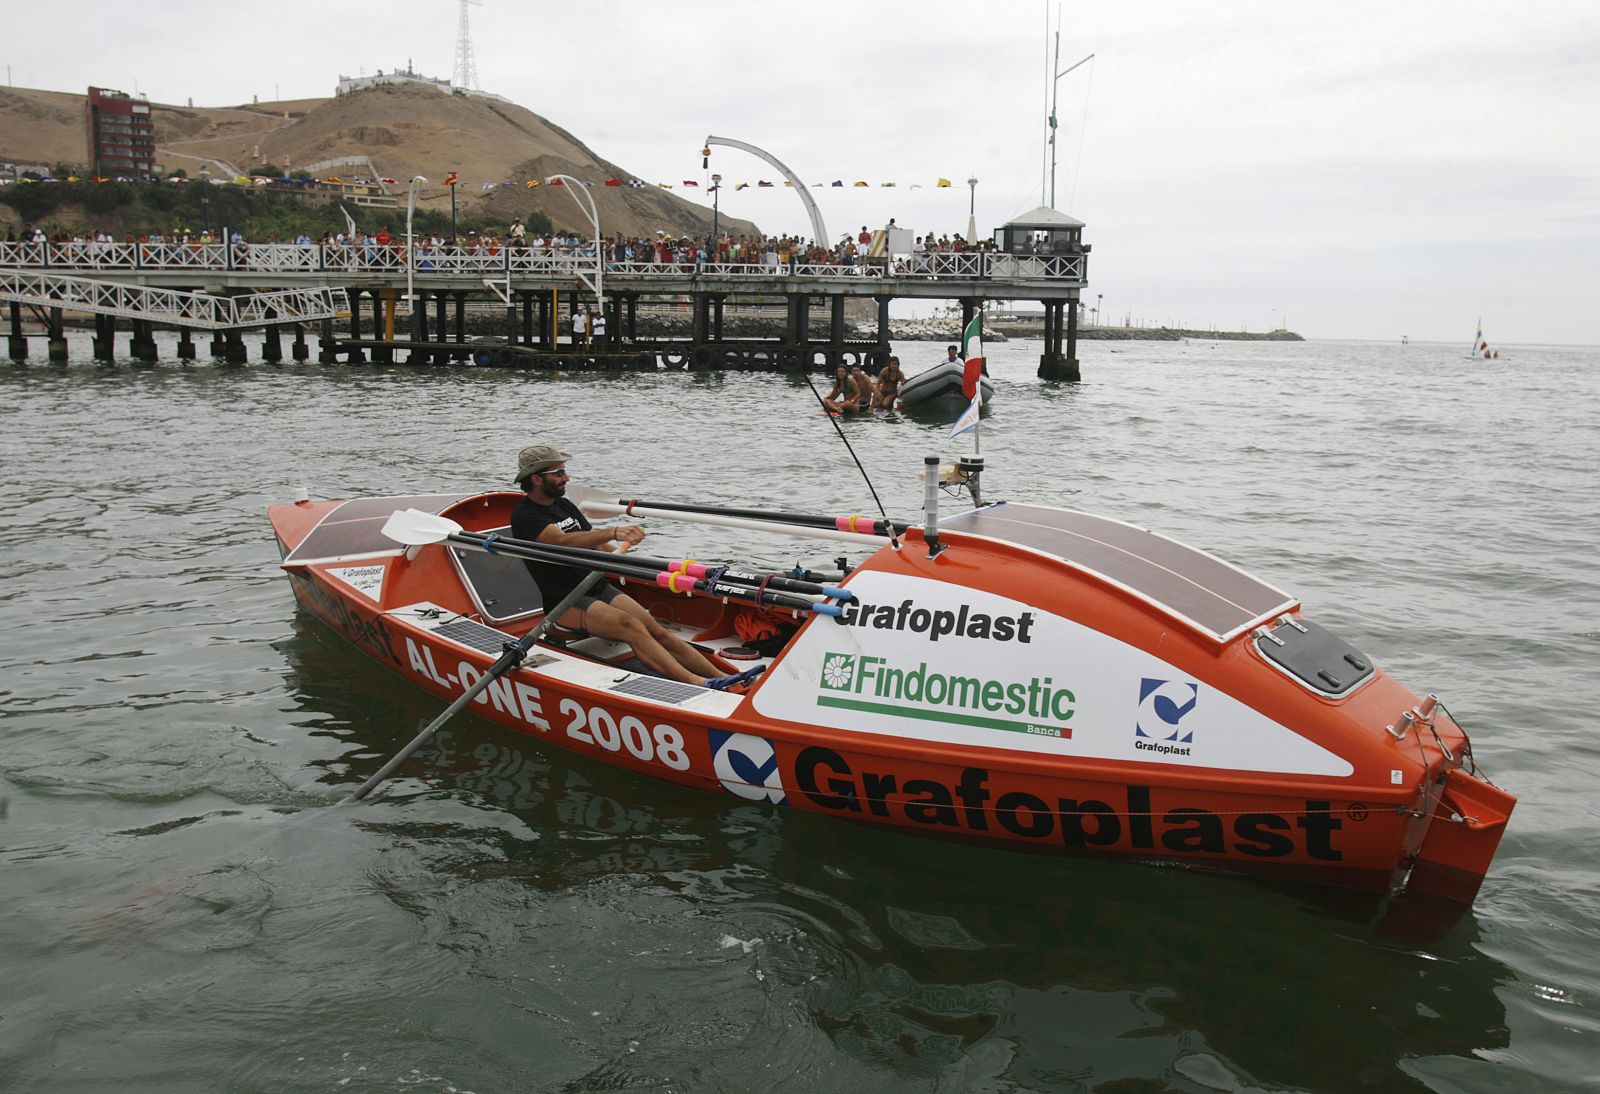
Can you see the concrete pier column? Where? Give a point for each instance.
(219, 345)
(185, 344)
(300, 351)
(440, 326)
(883, 322)
(57, 343)
(142, 344)
(716, 316)
(633, 318)
(525, 299)
(461, 317)
(16, 344)
(836, 331)
(272, 345)
(233, 350)
(1054, 364)
(105, 335)
(702, 317)
(326, 355)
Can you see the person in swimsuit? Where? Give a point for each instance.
(843, 399)
(887, 392)
(547, 516)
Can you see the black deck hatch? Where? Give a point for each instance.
(1313, 655)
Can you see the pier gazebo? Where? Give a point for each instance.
(1032, 245)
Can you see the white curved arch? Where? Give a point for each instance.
(818, 231)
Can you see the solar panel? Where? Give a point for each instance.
(474, 636)
(355, 529)
(654, 687)
(1213, 597)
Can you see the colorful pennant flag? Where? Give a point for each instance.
(764, 184)
(531, 183)
(943, 183)
(450, 179)
(613, 182)
(637, 184)
(860, 183)
(741, 186)
(690, 182)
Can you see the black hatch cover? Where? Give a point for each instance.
(1313, 655)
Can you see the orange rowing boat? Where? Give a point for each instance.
(1025, 676)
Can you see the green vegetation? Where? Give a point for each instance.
(141, 209)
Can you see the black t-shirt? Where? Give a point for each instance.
(528, 519)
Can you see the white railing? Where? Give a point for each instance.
(49, 289)
(370, 257)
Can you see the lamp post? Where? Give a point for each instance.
(972, 212)
(716, 197)
(411, 293)
(585, 200)
(1099, 296)
(205, 196)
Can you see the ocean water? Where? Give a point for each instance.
(176, 913)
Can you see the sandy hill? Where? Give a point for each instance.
(404, 130)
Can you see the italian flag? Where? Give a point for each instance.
(972, 354)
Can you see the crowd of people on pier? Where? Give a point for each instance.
(619, 251)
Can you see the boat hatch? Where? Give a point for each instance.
(1314, 656)
(500, 585)
(355, 529)
(1217, 600)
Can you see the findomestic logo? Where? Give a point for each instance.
(1037, 706)
(1163, 705)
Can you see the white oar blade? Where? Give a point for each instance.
(414, 528)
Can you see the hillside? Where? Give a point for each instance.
(405, 130)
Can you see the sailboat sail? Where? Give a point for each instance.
(1480, 347)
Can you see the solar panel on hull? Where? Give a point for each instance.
(1217, 599)
(475, 636)
(653, 687)
(356, 527)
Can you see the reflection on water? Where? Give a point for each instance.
(1034, 967)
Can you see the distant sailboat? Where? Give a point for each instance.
(1481, 347)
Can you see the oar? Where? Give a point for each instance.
(584, 495)
(513, 656)
(416, 528)
(596, 505)
(494, 542)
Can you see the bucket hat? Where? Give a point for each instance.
(536, 458)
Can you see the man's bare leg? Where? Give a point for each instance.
(610, 621)
(687, 656)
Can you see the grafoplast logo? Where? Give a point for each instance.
(747, 766)
(1163, 705)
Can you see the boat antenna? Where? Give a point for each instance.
(894, 536)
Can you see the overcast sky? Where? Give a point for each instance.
(1360, 170)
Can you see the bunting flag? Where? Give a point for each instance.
(860, 183)
(391, 182)
(690, 182)
(885, 184)
(556, 182)
(664, 185)
(488, 186)
(838, 182)
(637, 184)
(943, 183)
(450, 179)
(764, 184)
(742, 186)
(531, 183)
(786, 182)
(335, 179)
(613, 182)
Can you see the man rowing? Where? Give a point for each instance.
(546, 515)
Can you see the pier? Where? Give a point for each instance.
(411, 306)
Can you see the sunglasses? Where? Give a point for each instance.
(559, 474)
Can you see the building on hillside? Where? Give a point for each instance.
(121, 135)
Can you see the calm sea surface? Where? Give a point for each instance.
(174, 915)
